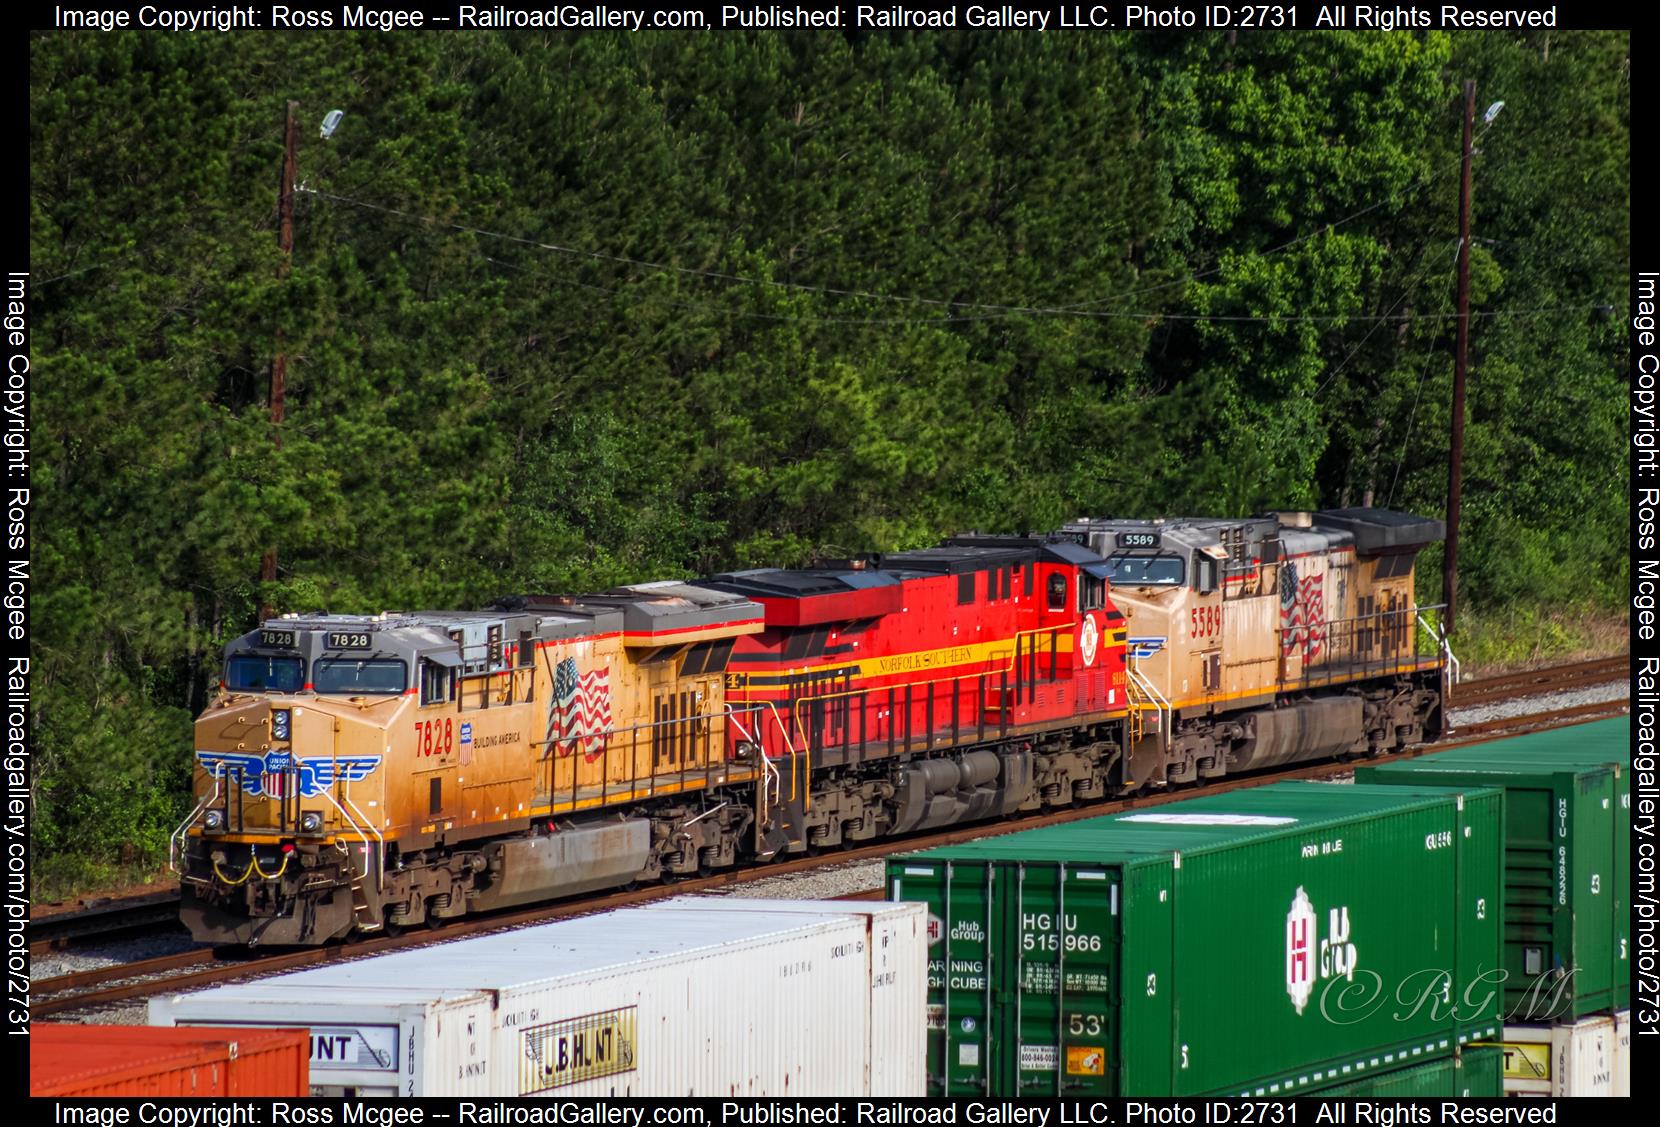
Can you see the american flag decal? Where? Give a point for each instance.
(580, 711)
(1302, 613)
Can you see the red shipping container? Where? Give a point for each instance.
(142, 1060)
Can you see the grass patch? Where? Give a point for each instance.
(68, 876)
(1489, 642)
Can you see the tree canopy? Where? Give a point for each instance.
(571, 310)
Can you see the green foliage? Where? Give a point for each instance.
(566, 311)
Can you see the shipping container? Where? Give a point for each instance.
(896, 953)
(135, 1060)
(624, 1003)
(1622, 1053)
(1604, 741)
(1567, 862)
(1260, 942)
(1560, 1060)
(1476, 1070)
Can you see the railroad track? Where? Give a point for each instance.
(1509, 686)
(147, 913)
(104, 921)
(204, 967)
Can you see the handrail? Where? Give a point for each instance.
(1006, 657)
(771, 781)
(614, 731)
(1443, 643)
(380, 840)
(1132, 668)
(175, 840)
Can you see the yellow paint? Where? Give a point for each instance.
(1086, 1060)
(1274, 687)
(1526, 1060)
(944, 657)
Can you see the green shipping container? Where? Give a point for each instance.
(1266, 941)
(1567, 861)
(1605, 741)
(1475, 1071)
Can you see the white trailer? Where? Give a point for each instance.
(625, 1003)
(896, 949)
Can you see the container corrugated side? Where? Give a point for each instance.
(1476, 1071)
(136, 1060)
(1560, 1060)
(896, 950)
(1248, 943)
(375, 1042)
(617, 1004)
(1564, 956)
(1622, 1053)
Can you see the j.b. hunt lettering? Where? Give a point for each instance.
(1308, 957)
(565, 1052)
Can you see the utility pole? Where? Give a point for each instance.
(279, 364)
(1455, 469)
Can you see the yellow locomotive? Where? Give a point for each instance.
(362, 773)
(1274, 639)
(359, 774)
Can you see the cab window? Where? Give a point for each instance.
(437, 682)
(256, 673)
(1057, 592)
(1092, 593)
(358, 675)
(1147, 571)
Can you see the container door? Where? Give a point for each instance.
(1622, 888)
(1593, 899)
(1479, 942)
(1061, 1002)
(960, 900)
(1529, 939)
(1151, 1058)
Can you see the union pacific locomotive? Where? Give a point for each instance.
(362, 774)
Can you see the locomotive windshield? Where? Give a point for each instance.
(1146, 571)
(358, 675)
(253, 673)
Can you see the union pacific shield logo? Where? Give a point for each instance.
(262, 775)
(1300, 968)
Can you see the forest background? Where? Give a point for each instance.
(567, 311)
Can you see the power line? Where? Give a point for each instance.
(993, 312)
(1411, 288)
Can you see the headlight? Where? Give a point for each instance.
(215, 820)
(279, 723)
(311, 821)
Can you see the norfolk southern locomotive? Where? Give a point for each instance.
(361, 774)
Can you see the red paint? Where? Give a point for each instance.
(139, 1060)
(963, 655)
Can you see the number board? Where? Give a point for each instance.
(346, 640)
(1138, 540)
(282, 639)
